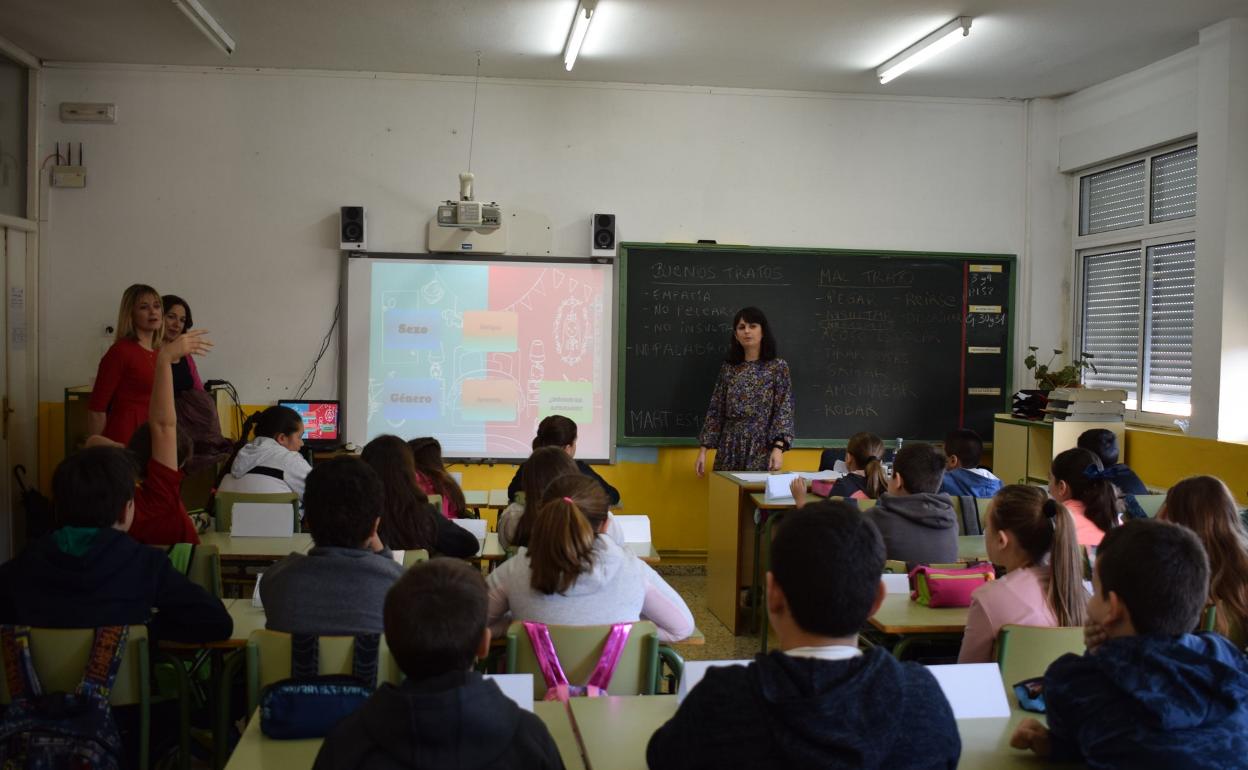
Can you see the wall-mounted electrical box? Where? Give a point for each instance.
(69, 176)
(88, 112)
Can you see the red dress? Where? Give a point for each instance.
(123, 388)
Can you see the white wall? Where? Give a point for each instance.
(224, 187)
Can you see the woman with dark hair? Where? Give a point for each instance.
(749, 422)
(197, 410)
(559, 431)
(408, 520)
(178, 321)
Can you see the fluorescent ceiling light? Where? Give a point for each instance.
(580, 28)
(206, 24)
(933, 44)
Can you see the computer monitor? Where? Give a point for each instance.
(320, 422)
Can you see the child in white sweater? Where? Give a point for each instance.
(572, 574)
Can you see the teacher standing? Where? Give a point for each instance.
(123, 382)
(749, 422)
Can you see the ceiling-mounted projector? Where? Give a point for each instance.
(466, 213)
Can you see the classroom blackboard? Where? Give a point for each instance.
(902, 344)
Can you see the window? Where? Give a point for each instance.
(13, 113)
(1137, 274)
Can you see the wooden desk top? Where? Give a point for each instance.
(257, 548)
(256, 752)
(616, 729)
(899, 615)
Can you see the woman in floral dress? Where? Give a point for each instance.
(749, 422)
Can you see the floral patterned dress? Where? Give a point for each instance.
(751, 408)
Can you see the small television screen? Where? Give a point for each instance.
(320, 419)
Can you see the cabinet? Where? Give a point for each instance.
(1022, 450)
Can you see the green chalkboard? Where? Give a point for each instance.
(902, 344)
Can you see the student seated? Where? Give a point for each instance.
(338, 587)
(444, 714)
(818, 701)
(1033, 537)
(1147, 693)
(1104, 444)
(963, 476)
(560, 431)
(1077, 481)
(408, 520)
(160, 451)
(916, 520)
(1204, 505)
(864, 461)
(543, 466)
(432, 478)
(90, 573)
(270, 463)
(573, 574)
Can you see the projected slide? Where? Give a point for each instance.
(476, 354)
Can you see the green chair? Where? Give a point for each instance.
(1150, 504)
(579, 648)
(1025, 652)
(205, 569)
(984, 504)
(60, 655)
(866, 503)
(226, 501)
(268, 661)
(414, 556)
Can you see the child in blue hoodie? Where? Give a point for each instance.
(1146, 694)
(963, 476)
(818, 701)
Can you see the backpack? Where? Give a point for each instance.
(557, 686)
(308, 705)
(61, 731)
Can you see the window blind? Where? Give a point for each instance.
(1111, 319)
(1171, 307)
(1113, 199)
(1174, 186)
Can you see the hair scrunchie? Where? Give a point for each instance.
(569, 500)
(871, 459)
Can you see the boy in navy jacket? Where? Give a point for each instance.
(818, 701)
(1147, 694)
(963, 476)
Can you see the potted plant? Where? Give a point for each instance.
(1048, 378)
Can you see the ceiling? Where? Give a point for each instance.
(1017, 48)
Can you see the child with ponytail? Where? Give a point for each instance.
(271, 462)
(433, 479)
(1078, 481)
(864, 459)
(1033, 537)
(572, 574)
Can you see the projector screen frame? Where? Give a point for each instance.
(355, 379)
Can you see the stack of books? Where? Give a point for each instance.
(1029, 405)
(1085, 405)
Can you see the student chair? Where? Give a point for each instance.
(60, 655)
(268, 661)
(414, 556)
(1150, 504)
(226, 501)
(579, 648)
(1025, 652)
(203, 568)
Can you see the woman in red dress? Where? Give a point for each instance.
(123, 383)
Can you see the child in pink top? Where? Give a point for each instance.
(1033, 537)
(432, 478)
(1078, 481)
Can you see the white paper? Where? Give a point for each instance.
(974, 690)
(696, 669)
(518, 687)
(458, 476)
(752, 477)
(255, 594)
(262, 520)
(778, 487)
(476, 527)
(398, 556)
(897, 584)
(820, 475)
(636, 528)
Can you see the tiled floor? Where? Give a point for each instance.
(720, 643)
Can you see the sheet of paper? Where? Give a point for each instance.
(398, 556)
(476, 527)
(518, 687)
(778, 487)
(255, 593)
(974, 690)
(262, 520)
(897, 584)
(752, 477)
(636, 528)
(696, 669)
(820, 475)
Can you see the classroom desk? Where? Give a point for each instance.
(257, 548)
(491, 551)
(971, 547)
(730, 543)
(898, 615)
(256, 752)
(616, 729)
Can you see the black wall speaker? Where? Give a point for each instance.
(602, 241)
(351, 228)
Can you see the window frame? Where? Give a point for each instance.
(1140, 237)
